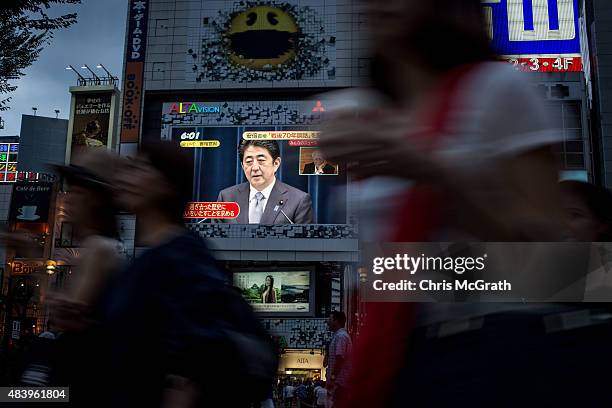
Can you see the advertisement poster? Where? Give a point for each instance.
(90, 129)
(30, 202)
(276, 292)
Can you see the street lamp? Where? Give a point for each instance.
(100, 66)
(51, 266)
(81, 77)
(34, 109)
(57, 112)
(97, 78)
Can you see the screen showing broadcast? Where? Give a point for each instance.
(257, 163)
(279, 292)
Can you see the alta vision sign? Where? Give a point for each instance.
(192, 107)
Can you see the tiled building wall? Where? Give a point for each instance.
(299, 333)
(185, 46)
(5, 201)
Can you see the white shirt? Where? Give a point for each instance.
(289, 391)
(266, 193)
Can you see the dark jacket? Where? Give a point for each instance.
(161, 317)
(296, 204)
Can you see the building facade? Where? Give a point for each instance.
(596, 17)
(207, 74)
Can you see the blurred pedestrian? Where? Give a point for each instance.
(475, 142)
(38, 371)
(172, 312)
(90, 210)
(339, 359)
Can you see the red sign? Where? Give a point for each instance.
(220, 211)
(561, 64)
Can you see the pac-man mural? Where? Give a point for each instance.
(265, 40)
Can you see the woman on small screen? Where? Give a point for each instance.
(269, 294)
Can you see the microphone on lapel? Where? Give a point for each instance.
(279, 207)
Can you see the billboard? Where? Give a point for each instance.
(30, 202)
(91, 122)
(9, 153)
(210, 133)
(278, 292)
(261, 41)
(536, 35)
(134, 70)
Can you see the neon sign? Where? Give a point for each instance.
(8, 162)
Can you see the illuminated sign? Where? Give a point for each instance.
(192, 107)
(26, 267)
(134, 70)
(30, 202)
(282, 135)
(91, 122)
(8, 162)
(227, 211)
(536, 35)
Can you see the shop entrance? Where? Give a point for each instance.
(299, 375)
(301, 365)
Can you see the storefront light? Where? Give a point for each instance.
(51, 265)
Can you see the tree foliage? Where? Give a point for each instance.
(25, 29)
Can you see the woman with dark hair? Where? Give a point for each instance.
(269, 293)
(472, 143)
(91, 211)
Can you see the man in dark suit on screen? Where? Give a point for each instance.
(319, 165)
(264, 199)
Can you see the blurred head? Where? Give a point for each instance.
(337, 320)
(317, 157)
(434, 34)
(89, 203)
(157, 179)
(260, 161)
(588, 211)
(269, 281)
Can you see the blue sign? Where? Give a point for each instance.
(534, 27)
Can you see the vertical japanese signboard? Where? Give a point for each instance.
(134, 70)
